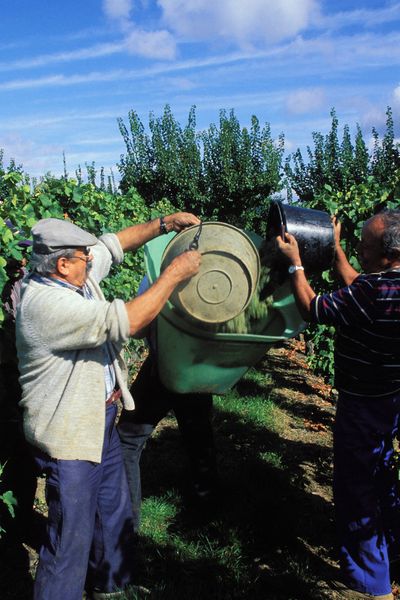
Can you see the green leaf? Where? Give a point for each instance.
(45, 200)
(7, 236)
(10, 501)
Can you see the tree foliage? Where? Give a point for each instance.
(24, 202)
(224, 173)
(343, 178)
(342, 164)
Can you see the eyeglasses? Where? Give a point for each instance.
(85, 258)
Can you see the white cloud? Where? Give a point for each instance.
(151, 44)
(396, 96)
(157, 43)
(242, 23)
(60, 80)
(300, 57)
(183, 84)
(96, 141)
(365, 17)
(36, 157)
(305, 100)
(117, 9)
(373, 117)
(59, 57)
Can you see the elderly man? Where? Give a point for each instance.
(69, 341)
(366, 313)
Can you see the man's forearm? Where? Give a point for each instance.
(343, 268)
(144, 308)
(303, 293)
(136, 236)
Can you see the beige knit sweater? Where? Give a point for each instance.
(59, 339)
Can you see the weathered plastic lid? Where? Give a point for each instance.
(228, 274)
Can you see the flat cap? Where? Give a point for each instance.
(50, 235)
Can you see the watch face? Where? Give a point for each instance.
(294, 268)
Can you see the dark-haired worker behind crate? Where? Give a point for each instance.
(193, 412)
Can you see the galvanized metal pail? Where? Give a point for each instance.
(228, 274)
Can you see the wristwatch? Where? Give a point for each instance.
(163, 227)
(293, 268)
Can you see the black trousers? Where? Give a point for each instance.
(153, 401)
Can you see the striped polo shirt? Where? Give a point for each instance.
(366, 315)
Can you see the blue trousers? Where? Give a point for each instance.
(366, 491)
(89, 541)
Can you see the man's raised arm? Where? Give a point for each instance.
(342, 266)
(135, 236)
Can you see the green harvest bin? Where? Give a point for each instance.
(194, 360)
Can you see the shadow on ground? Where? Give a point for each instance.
(269, 535)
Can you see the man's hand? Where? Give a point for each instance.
(289, 248)
(180, 220)
(135, 236)
(185, 265)
(144, 308)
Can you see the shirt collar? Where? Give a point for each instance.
(54, 282)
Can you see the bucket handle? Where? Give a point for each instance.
(194, 244)
(281, 219)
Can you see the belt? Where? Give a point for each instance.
(116, 395)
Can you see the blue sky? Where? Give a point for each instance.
(68, 69)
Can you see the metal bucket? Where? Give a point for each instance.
(228, 275)
(312, 229)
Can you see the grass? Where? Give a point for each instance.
(267, 537)
(248, 544)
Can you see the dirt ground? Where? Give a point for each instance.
(310, 406)
(307, 408)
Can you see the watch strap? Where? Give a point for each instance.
(163, 227)
(293, 268)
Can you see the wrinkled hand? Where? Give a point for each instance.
(180, 220)
(289, 248)
(186, 265)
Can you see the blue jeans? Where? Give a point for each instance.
(89, 541)
(366, 492)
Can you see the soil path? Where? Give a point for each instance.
(307, 407)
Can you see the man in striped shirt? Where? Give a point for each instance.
(366, 314)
